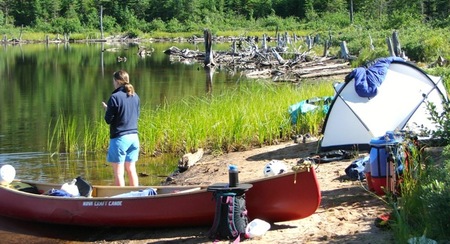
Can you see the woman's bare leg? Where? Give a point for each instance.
(130, 167)
(119, 179)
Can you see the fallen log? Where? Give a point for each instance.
(189, 159)
(326, 73)
(325, 67)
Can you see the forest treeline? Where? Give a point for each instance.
(74, 16)
(363, 24)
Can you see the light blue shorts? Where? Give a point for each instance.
(123, 149)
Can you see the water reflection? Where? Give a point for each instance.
(45, 167)
(42, 82)
(209, 73)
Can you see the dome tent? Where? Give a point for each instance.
(396, 101)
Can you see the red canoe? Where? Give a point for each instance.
(284, 197)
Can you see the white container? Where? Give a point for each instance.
(7, 174)
(274, 167)
(256, 228)
(71, 188)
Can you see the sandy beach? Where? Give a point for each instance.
(346, 214)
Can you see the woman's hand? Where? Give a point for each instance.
(104, 105)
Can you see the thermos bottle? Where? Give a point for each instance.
(233, 175)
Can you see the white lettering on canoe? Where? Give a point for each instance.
(115, 203)
(87, 204)
(102, 203)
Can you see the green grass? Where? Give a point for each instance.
(251, 115)
(64, 137)
(248, 116)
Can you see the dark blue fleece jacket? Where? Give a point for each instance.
(122, 113)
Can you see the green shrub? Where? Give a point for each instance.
(402, 19)
(271, 22)
(367, 55)
(443, 72)
(426, 48)
(174, 25)
(72, 25)
(134, 33)
(110, 24)
(424, 200)
(63, 25)
(337, 20)
(42, 25)
(442, 122)
(157, 24)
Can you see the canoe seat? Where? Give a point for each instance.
(84, 187)
(25, 187)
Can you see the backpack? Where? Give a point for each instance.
(231, 217)
(357, 169)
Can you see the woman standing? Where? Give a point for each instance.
(122, 113)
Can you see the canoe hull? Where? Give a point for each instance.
(285, 197)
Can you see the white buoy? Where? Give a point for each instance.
(7, 174)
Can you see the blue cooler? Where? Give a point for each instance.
(380, 169)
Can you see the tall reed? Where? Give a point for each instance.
(250, 115)
(76, 134)
(255, 113)
(64, 136)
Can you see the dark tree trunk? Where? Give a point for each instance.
(209, 59)
(396, 44)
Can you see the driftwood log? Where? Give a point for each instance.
(284, 62)
(189, 159)
(277, 63)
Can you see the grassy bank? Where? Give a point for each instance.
(251, 115)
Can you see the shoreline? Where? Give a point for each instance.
(346, 214)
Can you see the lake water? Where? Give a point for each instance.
(40, 82)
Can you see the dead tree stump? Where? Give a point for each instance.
(209, 57)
